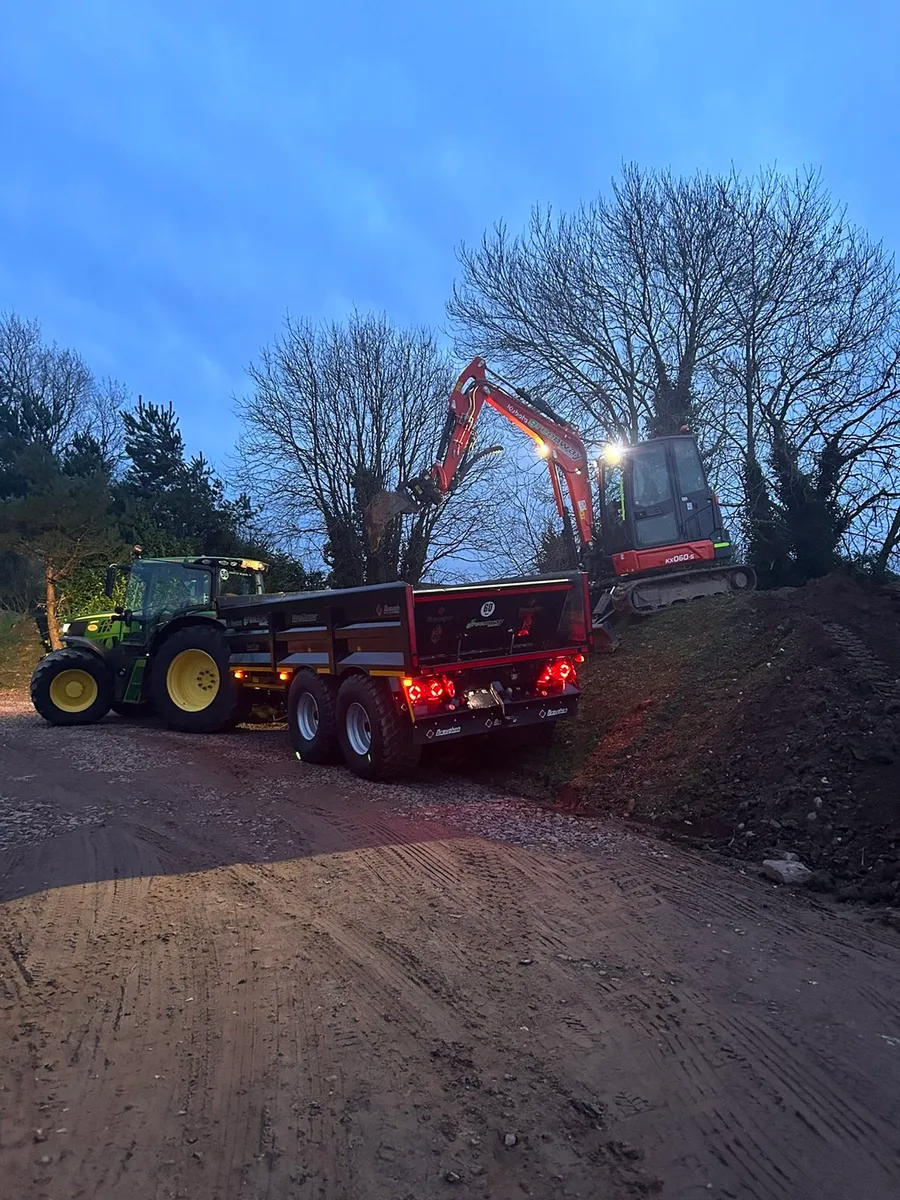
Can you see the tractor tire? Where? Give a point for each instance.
(72, 687)
(312, 718)
(190, 684)
(375, 739)
(124, 709)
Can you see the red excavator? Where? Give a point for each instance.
(660, 538)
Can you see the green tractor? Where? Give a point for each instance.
(163, 650)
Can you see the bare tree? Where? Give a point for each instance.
(52, 395)
(809, 382)
(613, 309)
(102, 419)
(51, 388)
(60, 440)
(338, 413)
(890, 545)
(749, 309)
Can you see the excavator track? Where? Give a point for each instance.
(643, 597)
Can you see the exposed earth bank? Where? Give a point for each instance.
(758, 726)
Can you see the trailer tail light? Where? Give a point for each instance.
(556, 675)
(436, 689)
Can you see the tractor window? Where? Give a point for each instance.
(174, 588)
(136, 588)
(689, 468)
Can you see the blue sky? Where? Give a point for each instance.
(175, 177)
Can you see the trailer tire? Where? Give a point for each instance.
(190, 684)
(72, 687)
(375, 739)
(312, 718)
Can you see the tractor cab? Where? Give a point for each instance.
(159, 589)
(657, 510)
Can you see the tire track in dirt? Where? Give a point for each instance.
(370, 1004)
(700, 1056)
(867, 665)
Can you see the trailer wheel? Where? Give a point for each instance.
(312, 719)
(190, 684)
(72, 687)
(375, 739)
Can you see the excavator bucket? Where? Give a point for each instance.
(381, 510)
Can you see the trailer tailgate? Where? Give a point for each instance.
(502, 620)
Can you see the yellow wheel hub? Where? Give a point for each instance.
(192, 680)
(73, 691)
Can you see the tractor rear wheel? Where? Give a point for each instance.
(190, 683)
(72, 687)
(376, 739)
(312, 721)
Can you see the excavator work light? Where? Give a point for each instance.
(613, 453)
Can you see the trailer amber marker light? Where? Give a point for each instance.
(239, 674)
(284, 675)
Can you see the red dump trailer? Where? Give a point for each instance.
(370, 675)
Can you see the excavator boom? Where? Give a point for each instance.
(555, 439)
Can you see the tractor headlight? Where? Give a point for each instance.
(65, 627)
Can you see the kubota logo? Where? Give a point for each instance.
(487, 609)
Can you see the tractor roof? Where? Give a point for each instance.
(209, 560)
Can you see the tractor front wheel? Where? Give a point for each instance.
(190, 684)
(72, 687)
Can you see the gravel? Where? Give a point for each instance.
(25, 825)
(117, 749)
(505, 818)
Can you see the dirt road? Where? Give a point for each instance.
(226, 975)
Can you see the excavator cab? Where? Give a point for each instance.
(658, 517)
(655, 496)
